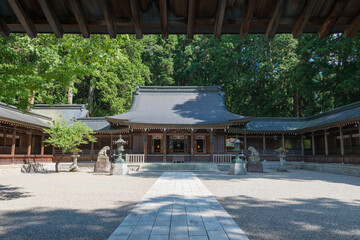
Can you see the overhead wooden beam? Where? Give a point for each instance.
(51, 18)
(191, 19)
(332, 18)
(80, 17)
(4, 29)
(303, 18)
(354, 27)
(24, 19)
(221, 7)
(136, 17)
(109, 17)
(163, 18)
(275, 19)
(245, 23)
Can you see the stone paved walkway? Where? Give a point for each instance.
(178, 206)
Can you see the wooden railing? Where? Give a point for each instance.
(134, 158)
(222, 158)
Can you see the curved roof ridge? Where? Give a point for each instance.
(172, 105)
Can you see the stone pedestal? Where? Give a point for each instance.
(119, 169)
(281, 167)
(237, 169)
(102, 165)
(74, 167)
(255, 167)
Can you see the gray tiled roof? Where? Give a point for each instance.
(68, 111)
(178, 106)
(11, 114)
(340, 115)
(100, 124)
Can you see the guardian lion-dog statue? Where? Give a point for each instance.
(255, 156)
(102, 164)
(103, 151)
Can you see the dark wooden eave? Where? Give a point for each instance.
(190, 17)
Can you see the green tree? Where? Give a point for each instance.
(67, 136)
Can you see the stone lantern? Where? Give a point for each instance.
(119, 166)
(238, 166)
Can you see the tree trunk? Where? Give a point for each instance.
(90, 97)
(70, 95)
(57, 163)
(296, 104)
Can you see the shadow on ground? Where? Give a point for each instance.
(62, 223)
(10, 193)
(319, 218)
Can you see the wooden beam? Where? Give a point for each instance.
(221, 7)
(332, 18)
(109, 17)
(136, 17)
(302, 145)
(4, 29)
(245, 24)
(326, 143)
(24, 19)
(191, 19)
(164, 146)
(51, 18)
(275, 19)
(313, 143)
(341, 141)
(303, 18)
(163, 18)
(354, 27)
(264, 144)
(80, 18)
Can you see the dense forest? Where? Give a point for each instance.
(261, 77)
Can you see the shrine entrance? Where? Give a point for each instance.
(178, 145)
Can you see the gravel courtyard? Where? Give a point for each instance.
(292, 205)
(67, 205)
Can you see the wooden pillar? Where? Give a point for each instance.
(245, 143)
(211, 146)
(42, 146)
(92, 150)
(302, 145)
(192, 145)
(359, 130)
(131, 143)
(164, 146)
(13, 143)
(111, 144)
(29, 146)
(264, 144)
(145, 146)
(341, 141)
(283, 140)
(313, 143)
(326, 143)
(4, 142)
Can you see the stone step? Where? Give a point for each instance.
(179, 167)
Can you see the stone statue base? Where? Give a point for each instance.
(119, 169)
(74, 168)
(102, 165)
(254, 167)
(237, 169)
(281, 167)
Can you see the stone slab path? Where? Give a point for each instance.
(178, 206)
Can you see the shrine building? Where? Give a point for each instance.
(190, 124)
